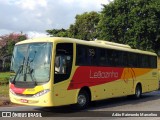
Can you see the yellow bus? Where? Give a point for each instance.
(57, 71)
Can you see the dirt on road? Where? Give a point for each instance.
(5, 102)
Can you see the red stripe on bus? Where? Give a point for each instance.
(17, 90)
(91, 76)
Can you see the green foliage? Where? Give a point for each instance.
(58, 32)
(133, 22)
(7, 43)
(85, 26)
(4, 75)
(4, 78)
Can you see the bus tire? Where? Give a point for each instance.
(83, 100)
(138, 91)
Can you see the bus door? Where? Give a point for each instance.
(62, 71)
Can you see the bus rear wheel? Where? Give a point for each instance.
(82, 100)
(138, 91)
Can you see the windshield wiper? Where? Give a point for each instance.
(30, 70)
(18, 71)
(32, 77)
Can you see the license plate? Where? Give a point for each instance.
(24, 101)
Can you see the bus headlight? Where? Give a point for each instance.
(41, 93)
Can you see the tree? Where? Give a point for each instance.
(58, 32)
(7, 43)
(85, 26)
(133, 22)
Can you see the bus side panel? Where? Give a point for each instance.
(148, 80)
(122, 87)
(112, 89)
(104, 82)
(66, 92)
(62, 96)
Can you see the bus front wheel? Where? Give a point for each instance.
(82, 100)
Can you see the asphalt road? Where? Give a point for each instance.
(101, 110)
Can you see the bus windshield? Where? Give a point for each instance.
(31, 63)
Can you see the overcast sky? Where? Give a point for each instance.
(33, 17)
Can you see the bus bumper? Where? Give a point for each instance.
(44, 100)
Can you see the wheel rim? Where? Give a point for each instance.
(81, 100)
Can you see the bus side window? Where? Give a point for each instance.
(109, 57)
(63, 61)
(91, 56)
(102, 58)
(61, 64)
(112, 57)
(57, 64)
(125, 59)
(132, 60)
(81, 55)
(153, 62)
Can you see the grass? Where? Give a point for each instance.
(4, 95)
(4, 81)
(4, 78)
(4, 75)
(4, 88)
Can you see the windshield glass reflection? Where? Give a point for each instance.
(31, 62)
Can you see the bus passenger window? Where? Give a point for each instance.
(61, 64)
(63, 61)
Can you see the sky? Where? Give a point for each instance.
(34, 17)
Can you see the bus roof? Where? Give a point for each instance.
(96, 43)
